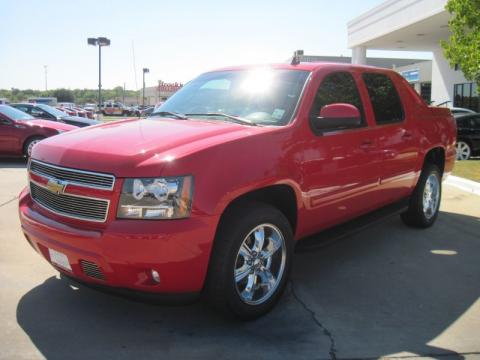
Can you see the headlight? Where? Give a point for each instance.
(161, 198)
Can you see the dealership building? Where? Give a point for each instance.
(414, 25)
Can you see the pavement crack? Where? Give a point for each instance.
(326, 332)
(9, 201)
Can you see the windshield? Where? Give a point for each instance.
(14, 114)
(51, 110)
(262, 96)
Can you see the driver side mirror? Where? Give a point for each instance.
(337, 116)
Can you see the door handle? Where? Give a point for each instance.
(407, 135)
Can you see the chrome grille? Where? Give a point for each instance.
(73, 176)
(69, 205)
(92, 270)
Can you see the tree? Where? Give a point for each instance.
(64, 95)
(463, 46)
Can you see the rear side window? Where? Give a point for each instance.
(338, 87)
(386, 103)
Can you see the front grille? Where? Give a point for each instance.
(69, 205)
(74, 176)
(92, 270)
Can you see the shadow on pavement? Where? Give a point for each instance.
(13, 163)
(385, 290)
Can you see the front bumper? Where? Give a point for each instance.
(125, 251)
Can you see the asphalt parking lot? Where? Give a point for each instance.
(385, 291)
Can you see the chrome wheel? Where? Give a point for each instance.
(431, 196)
(31, 145)
(463, 150)
(260, 264)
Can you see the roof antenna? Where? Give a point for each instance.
(296, 57)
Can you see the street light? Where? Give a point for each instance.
(145, 70)
(100, 41)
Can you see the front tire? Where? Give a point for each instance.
(251, 260)
(29, 144)
(425, 200)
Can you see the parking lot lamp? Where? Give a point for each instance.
(145, 70)
(100, 41)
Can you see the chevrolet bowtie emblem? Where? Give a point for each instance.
(56, 186)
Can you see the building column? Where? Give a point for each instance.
(359, 55)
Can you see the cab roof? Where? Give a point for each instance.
(306, 66)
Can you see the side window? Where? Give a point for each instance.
(23, 108)
(37, 112)
(386, 103)
(338, 87)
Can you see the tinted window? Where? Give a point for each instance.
(339, 87)
(386, 103)
(23, 108)
(38, 113)
(51, 110)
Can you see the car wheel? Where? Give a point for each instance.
(251, 261)
(425, 200)
(29, 144)
(463, 150)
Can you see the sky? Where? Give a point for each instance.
(176, 40)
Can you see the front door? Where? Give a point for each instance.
(9, 137)
(340, 166)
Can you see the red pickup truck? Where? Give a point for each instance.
(210, 194)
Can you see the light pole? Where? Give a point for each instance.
(45, 67)
(145, 70)
(100, 41)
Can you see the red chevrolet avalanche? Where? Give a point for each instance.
(210, 193)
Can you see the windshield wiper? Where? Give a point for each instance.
(236, 119)
(169, 113)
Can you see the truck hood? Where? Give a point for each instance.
(136, 147)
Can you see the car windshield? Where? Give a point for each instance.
(51, 110)
(262, 96)
(14, 114)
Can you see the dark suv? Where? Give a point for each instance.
(468, 136)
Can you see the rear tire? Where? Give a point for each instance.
(28, 146)
(243, 280)
(425, 200)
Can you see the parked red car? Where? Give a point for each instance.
(211, 192)
(66, 110)
(19, 132)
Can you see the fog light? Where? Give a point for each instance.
(155, 276)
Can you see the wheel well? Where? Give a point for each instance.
(436, 156)
(280, 196)
(25, 142)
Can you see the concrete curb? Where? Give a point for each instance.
(463, 184)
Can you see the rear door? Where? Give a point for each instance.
(396, 133)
